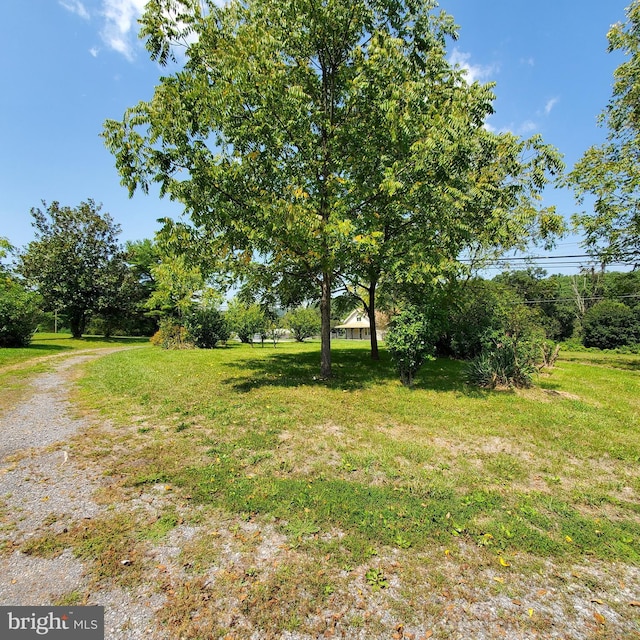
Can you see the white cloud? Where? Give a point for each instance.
(489, 127)
(522, 129)
(75, 6)
(550, 104)
(530, 62)
(473, 72)
(94, 51)
(527, 127)
(120, 30)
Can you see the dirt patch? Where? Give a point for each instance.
(561, 394)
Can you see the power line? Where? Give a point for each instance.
(630, 295)
(551, 265)
(536, 258)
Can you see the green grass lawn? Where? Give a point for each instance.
(251, 430)
(17, 365)
(48, 344)
(361, 474)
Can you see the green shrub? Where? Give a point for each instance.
(171, 335)
(206, 327)
(475, 309)
(410, 341)
(573, 344)
(19, 313)
(508, 362)
(609, 324)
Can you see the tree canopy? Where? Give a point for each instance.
(75, 261)
(334, 140)
(610, 172)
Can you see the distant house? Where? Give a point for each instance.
(358, 327)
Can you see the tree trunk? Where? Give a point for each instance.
(325, 316)
(77, 323)
(371, 312)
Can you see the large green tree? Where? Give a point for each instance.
(75, 261)
(610, 173)
(311, 133)
(19, 307)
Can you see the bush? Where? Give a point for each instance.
(206, 327)
(303, 323)
(19, 313)
(475, 309)
(411, 342)
(171, 335)
(507, 363)
(609, 324)
(573, 344)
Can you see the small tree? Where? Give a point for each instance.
(410, 341)
(272, 330)
(19, 313)
(245, 320)
(302, 322)
(171, 335)
(177, 284)
(206, 327)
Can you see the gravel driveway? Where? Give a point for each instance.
(43, 489)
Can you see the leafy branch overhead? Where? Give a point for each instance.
(610, 173)
(331, 139)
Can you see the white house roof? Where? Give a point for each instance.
(355, 320)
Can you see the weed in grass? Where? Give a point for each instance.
(402, 542)
(505, 468)
(162, 526)
(283, 598)
(201, 552)
(376, 579)
(52, 518)
(299, 528)
(150, 478)
(111, 545)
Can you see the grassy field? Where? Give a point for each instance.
(18, 365)
(359, 495)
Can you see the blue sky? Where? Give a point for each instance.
(70, 64)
